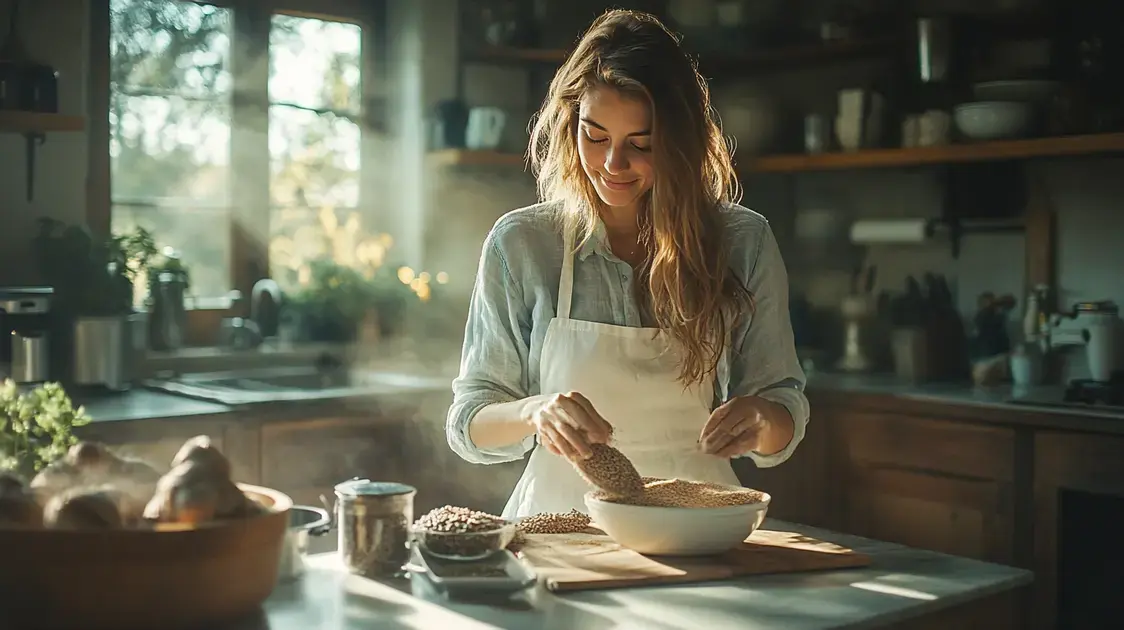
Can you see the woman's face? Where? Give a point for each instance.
(615, 144)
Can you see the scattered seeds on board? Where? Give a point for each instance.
(686, 494)
(570, 522)
(461, 532)
(610, 471)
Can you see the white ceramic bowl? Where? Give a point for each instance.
(664, 531)
(993, 120)
(1026, 91)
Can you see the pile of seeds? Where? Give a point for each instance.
(458, 532)
(687, 494)
(458, 520)
(610, 471)
(570, 522)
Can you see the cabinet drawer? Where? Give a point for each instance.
(316, 455)
(928, 444)
(971, 518)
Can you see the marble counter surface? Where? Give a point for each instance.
(144, 404)
(901, 583)
(1043, 400)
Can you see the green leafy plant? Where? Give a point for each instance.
(337, 298)
(36, 426)
(333, 303)
(92, 277)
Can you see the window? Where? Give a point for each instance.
(169, 125)
(189, 98)
(314, 144)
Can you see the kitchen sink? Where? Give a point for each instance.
(294, 383)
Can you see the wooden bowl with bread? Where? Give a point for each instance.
(98, 541)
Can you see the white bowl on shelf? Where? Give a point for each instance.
(993, 120)
(1017, 90)
(667, 531)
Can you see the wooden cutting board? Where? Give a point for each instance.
(591, 560)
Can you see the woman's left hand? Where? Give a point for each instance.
(741, 425)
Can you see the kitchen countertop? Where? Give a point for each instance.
(144, 404)
(1042, 402)
(1037, 405)
(901, 583)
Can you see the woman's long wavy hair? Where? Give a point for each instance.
(692, 292)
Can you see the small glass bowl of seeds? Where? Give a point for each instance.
(457, 533)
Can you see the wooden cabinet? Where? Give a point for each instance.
(928, 483)
(306, 459)
(1066, 463)
(800, 487)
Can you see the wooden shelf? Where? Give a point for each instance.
(35, 122)
(947, 154)
(469, 157)
(787, 56)
(873, 158)
(503, 54)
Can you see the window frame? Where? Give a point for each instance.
(249, 256)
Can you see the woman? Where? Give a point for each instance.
(637, 302)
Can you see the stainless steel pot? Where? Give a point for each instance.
(105, 349)
(304, 521)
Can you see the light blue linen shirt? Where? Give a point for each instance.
(514, 300)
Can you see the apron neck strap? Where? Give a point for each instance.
(566, 280)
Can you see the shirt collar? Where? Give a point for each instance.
(598, 243)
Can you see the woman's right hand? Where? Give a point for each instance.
(567, 424)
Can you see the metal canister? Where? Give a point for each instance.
(374, 520)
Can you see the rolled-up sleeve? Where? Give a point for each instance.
(764, 362)
(494, 358)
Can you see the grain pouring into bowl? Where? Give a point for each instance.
(609, 470)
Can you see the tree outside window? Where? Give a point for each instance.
(170, 115)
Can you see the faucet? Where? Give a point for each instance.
(265, 306)
(249, 332)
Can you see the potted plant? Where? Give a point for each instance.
(332, 305)
(92, 277)
(36, 426)
(94, 282)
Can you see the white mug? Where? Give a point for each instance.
(485, 127)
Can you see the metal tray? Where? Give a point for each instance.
(502, 573)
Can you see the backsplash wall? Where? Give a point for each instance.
(1085, 194)
(462, 204)
(56, 37)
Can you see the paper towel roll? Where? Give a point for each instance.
(890, 231)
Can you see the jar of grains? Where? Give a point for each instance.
(374, 521)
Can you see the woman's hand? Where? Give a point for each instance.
(567, 424)
(744, 424)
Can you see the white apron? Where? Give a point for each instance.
(631, 379)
